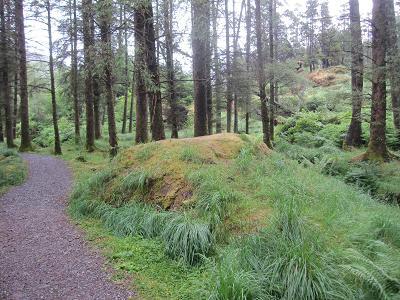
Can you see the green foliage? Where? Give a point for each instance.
(231, 282)
(12, 169)
(188, 239)
(185, 238)
(44, 136)
(137, 181)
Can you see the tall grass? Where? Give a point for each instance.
(185, 238)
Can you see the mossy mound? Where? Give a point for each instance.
(162, 168)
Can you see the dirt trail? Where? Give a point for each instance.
(42, 255)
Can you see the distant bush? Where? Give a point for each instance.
(44, 136)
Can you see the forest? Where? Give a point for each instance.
(202, 149)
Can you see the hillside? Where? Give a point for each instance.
(233, 210)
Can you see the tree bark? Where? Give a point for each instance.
(199, 45)
(208, 72)
(248, 42)
(132, 101)
(353, 137)
(24, 106)
(15, 106)
(140, 67)
(217, 67)
(169, 61)
(261, 77)
(74, 73)
(57, 142)
(377, 149)
(126, 71)
(157, 122)
(228, 71)
(96, 106)
(87, 15)
(107, 55)
(234, 71)
(5, 79)
(394, 67)
(271, 24)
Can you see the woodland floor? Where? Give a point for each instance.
(42, 255)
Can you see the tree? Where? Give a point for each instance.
(87, 16)
(153, 88)
(261, 77)
(393, 58)
(271, 34)
(107, 57)
(229, 94)
(23, 79)
(140, 70)
(126, 68)
(217, 67)
(199, 45)
(248, 54)
(169, 60)
(74, 69)
(377, 149)
(57, 142)
(325, 38)
(311, 17)
(6, 91)
(353, 137)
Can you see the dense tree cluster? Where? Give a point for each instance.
(240, 50)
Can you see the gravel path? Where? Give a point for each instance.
(43, 256)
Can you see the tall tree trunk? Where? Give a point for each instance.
(140, 68)
(5, 79)
(228, 71)
(15, 106)
(234, 71)
(394, 67)
(24, 107)
(96, 85)
(157, 122)
(208, 72)
(261, 77)
(377, 149)
(1, 125)
(126, 71)
(169, 61)
(271, 24)
(199, 45)
(353, 137)
(248, 42)
(74, 71)
(132, 101)
(87, 15)
(97, 106)
(107, 55)
(217, 68)
(57, 142)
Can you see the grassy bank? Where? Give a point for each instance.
(252, 225)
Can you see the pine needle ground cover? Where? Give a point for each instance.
(250, 224)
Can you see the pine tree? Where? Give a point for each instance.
(353, 137)
(23, 80)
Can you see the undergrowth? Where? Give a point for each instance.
(12, 169)
(324, 239)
